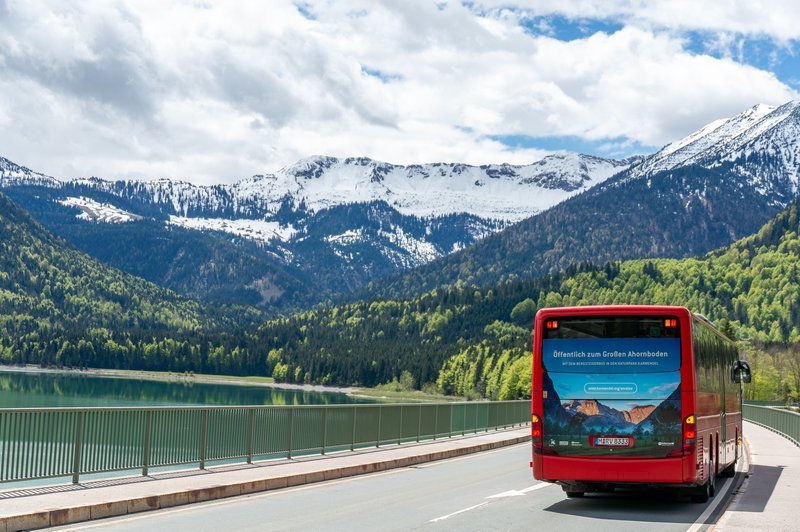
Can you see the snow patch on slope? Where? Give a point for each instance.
(352, 236)
(94, 211)
(418, 251)
(258, 230)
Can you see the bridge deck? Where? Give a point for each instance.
(24, 508)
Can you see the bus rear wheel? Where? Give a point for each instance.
(707, 490)
(729, 471)
(575, 494)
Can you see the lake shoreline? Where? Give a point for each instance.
(376, 394)
(185, 378)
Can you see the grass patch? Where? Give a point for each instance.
(172, 376)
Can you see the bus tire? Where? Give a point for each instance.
(729, 471)
(575, 494)
(707, 490)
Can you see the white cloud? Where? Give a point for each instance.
(217, 92)
(779, 19)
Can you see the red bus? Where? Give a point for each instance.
(634, 396)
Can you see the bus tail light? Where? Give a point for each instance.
(536, 430)
(689, 434)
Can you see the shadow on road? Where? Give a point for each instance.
(647, 506)
(760, 486)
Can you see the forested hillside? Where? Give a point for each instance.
(750, 289)
(58, 306)
(480, 337)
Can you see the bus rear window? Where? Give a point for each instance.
(616, 344)
(612, 327)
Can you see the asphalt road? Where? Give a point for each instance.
(485, 491)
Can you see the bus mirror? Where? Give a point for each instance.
(745, 372)
(736, 376)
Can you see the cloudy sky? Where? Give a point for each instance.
(216, 91)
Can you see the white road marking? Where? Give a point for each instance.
(537, 487)
(442, 518)
(518, 493)
(742, 467)
(701, 521)
(509, 493)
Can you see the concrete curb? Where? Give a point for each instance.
(738, 480)
(77, 514)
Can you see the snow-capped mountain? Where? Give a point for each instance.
(716, 185)
(276, 207)
(499, 192)
(334, 221)
(760, 144)
(327, 225)
(12, 174)
(503, 192)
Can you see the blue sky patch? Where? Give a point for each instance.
(780, 58)
(385, 77)
(565, 29)
(305, 10)
(615, 148)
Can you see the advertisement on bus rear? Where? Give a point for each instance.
(612, 396)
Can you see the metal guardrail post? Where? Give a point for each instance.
(251, 414)
(291, 433)
(435, 420)
(148, 431)
(378, 438)
(353, 441)
(450, 421)
(464, 422)
(203, 438)
(324, 428)
(76, 458)
(419, 422)
(400, 427)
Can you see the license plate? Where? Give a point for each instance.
(612, 442)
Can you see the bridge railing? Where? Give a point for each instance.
(780, 420)
(765, 403)
(41, 443)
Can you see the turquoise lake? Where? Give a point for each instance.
(34, 389)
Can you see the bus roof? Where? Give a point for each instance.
(612, 310)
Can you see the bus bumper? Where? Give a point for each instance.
(614, 471)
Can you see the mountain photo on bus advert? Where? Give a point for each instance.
(612, 396)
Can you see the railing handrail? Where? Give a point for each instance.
(755, 402)
(775, 407)
(246, 407)
(784, 422)
(38, 443)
